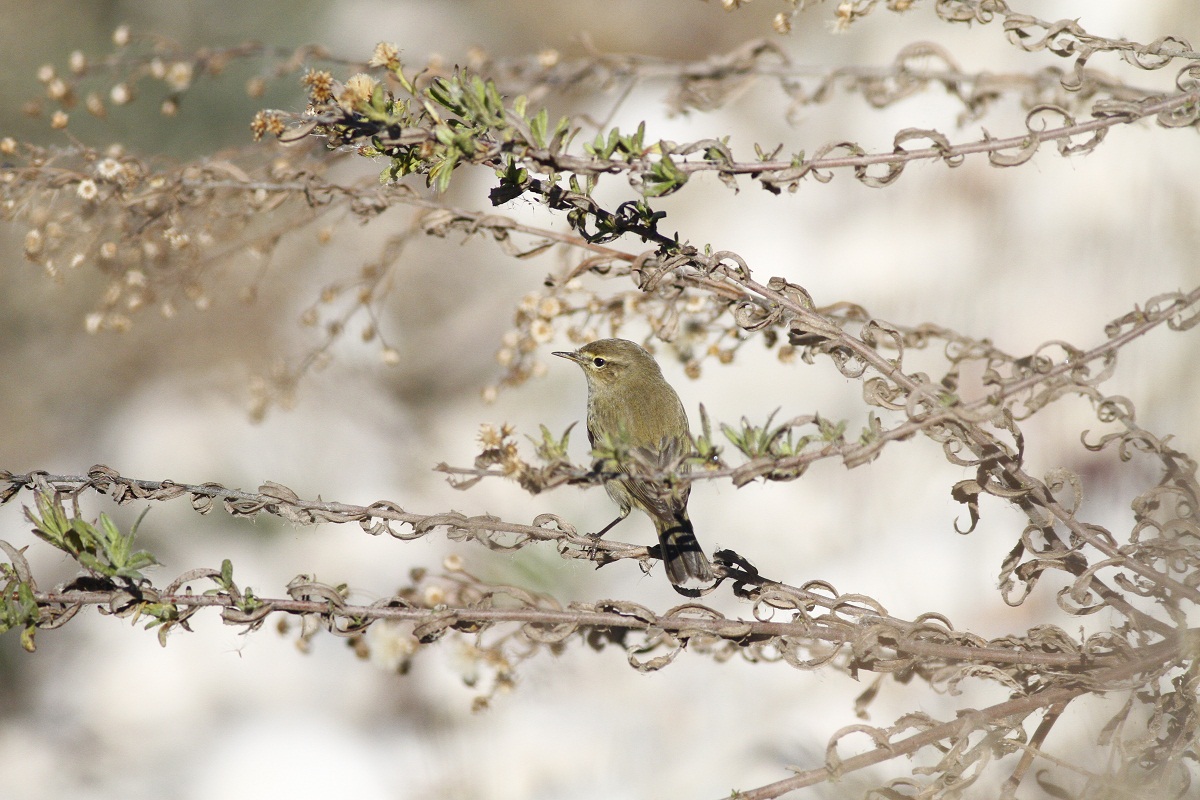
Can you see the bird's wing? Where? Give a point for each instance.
(653, 496)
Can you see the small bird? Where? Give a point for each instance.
(632, 408)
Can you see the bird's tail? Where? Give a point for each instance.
(685, 561)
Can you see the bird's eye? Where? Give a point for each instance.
(598, 361)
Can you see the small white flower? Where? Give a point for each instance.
(57, 89)
(95, 105)
(33, 242)
(121, 94)
(541, 331)
(529, 303)
(387, 54)
(549, 307)
(391, 645)
(357, 91)
(109, 169)
(179, 76)
(176, 238)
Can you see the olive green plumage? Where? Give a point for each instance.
(632, 408)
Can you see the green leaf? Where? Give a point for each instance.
(115, 546)
(441, 172)
(563, 134)
(27, 606)
(441, 92)
(94, 564)
(399, 73)
(832, 431)
(610, 145)
(707, 451)
(550, 449)
(50, 521)
(664, 178)
(538, 127)
(101, 548)
(249, 602)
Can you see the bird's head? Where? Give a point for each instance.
(611, 362)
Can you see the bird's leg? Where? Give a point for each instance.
(611, 525)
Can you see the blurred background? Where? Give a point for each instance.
(1050, 250)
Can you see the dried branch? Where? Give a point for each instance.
(958, 728)
(848, 619)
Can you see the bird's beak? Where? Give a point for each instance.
(574, 355)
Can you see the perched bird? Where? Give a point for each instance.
(633, 409)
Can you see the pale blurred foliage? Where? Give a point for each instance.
(1053, 250)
